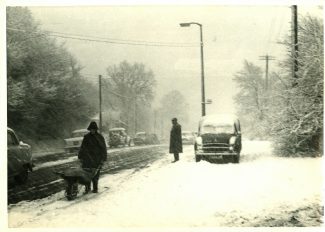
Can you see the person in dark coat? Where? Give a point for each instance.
(93, 153)
(175, 142)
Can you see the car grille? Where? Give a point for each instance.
(215, 147)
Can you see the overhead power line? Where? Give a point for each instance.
(106, 40)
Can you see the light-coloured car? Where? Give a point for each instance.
(20, 159)
(73, 144)
(188, 137)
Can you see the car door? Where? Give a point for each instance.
(14, 155)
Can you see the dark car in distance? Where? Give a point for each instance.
(118, 136)
(20, 160)
(219, 137)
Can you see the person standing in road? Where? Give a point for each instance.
(175, 142)
(93, 153)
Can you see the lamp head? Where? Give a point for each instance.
(185, 24)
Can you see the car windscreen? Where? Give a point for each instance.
(217, 128)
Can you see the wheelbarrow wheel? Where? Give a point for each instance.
(71, 191)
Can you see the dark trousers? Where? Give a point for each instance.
(176, 156)
(95, 180)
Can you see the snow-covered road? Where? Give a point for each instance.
(263, 190)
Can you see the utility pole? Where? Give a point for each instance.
(135, 115)
(155, 121)
(100, 102)
(267, 58)
(162, 127)
(294, 37)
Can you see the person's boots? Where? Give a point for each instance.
(95, 186)
(87, 188)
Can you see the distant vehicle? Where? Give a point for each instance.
(140, 138)
(118, 136)
(188, 137)
(219, 137)
(152, 139)
(20, 160)
(143, 138)
(73, 144)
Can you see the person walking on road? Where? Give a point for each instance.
(175, 142)
(93, 153)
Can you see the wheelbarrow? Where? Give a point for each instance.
(76, 176)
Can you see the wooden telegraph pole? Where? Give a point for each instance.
(267, 58)
(100, 102)
(294, 37)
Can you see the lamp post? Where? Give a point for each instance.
(202, 63)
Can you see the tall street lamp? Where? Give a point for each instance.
(202, 63)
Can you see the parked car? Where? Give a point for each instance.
(219, 137)
(143, 138)
(20, 159)
(73, 144)
(118, 136)
(152, 139)
(188, 137)
(140, 138)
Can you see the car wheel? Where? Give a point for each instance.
(236, 158)
(197, 158)
(22, 177)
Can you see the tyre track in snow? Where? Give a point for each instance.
(43, 182)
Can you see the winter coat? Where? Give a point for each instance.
(175, 142)
(93, 150)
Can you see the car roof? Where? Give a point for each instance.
(80, 130)
(117, 129)
(140, 133)
(219, 118)
(187, 132)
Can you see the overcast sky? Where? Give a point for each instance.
(230, 33)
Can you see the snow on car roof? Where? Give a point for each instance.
(80, 130)
(219, 119)
(187, 132)
(140, 133)
(117, 129)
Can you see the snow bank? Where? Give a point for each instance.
(185, 194)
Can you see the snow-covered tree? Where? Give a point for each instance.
(46, 97)
(251, 100)
(297, 119)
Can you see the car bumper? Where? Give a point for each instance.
(215, 153)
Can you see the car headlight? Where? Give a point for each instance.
(199, 141)
(232, 140)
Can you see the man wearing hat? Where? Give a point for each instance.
(175, 143)
(93, 153)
